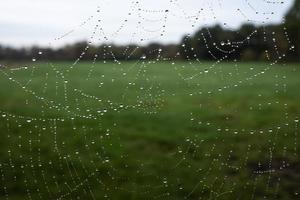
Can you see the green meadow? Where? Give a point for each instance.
(145, 130)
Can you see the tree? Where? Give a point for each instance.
(293, 26)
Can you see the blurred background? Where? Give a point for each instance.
(149, 100)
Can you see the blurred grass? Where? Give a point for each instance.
(154, 131)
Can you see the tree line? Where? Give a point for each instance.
(248, 43)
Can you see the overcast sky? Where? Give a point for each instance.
(41, 22)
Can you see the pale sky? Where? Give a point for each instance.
(39, 22)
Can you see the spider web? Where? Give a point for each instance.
(158, 128)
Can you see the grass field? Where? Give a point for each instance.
(149, 131)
